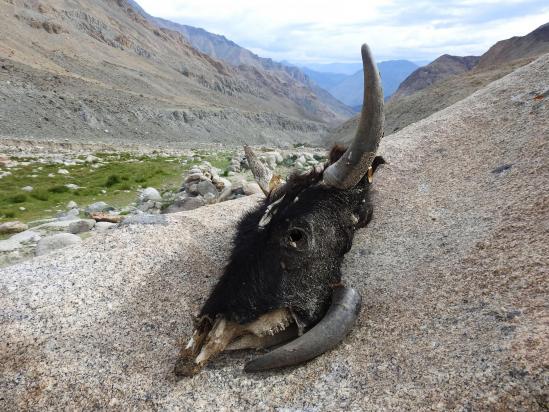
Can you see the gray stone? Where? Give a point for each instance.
(144, 219)
(207, 187)
(26, 236)
(12, 227)
(99, 207)
(27, 189)
(185, 204)
(104, 226)
(63, 172)
(251, 188)
(69, 214)
(50, 243)
(72, 205)
(150, 193)
(81, 226)
(72, 186)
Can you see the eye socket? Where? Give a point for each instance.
(297, 238)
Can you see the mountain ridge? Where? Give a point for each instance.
(100, 71)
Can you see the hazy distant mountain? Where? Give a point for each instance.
(340, 68)
(350, 89)
(501, 59)
(221, 48)
(324, 79)
(439, 69)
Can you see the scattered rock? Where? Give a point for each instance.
(150, 193)
(72, 205)
(54, 242)
(185, 204)
(98, 207)
(70, 214)
(104, 226)
(205, 187)
(26, 236)
(27, 189)
(81, 226)
(12, 227)
(72, 186)
(106, 217)
(145, 219)
(63, 172)
(251, 188)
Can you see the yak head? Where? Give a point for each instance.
(283, 279)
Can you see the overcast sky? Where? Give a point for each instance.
(316, 31)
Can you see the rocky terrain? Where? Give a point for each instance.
(404, 109)
(439, 69)
(452, 270)
(99, 71)
(50, 201)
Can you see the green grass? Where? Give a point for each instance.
(121, 177)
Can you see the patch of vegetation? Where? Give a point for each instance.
(112, 180)
(18, 198)
(116, 181)
(58, 189)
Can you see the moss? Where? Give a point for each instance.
(112, 180)
(18, 198)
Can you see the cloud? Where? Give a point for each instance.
(321, 32)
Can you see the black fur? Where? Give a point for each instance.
(267, 272)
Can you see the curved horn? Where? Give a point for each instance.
(326, 335)
(354, 163)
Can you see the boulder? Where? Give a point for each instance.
(26, 236)
(106, 217)
(205, 187)
(185, 204)
(150, 194)
(98, 207)
(63, 172)
(251, 188)
(104, 226)
(50, 243)
(81, 226)
(12, 227)
(27, 189)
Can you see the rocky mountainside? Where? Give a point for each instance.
(221, 48)
(439, 69)
(99, 71)
(504, 51)
(350, 89)
(402, 110)
(452, 271)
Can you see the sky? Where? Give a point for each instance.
(316, 31)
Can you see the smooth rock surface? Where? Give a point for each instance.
(452, 271)
(50, 243)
